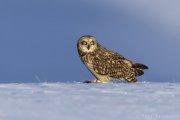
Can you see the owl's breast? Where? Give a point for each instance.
(88, 60)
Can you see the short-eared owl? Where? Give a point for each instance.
(105, 64)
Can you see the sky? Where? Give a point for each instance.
(38, 37)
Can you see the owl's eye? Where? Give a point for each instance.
(84, 43)
(92, 42)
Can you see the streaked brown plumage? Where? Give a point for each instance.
(105, 64)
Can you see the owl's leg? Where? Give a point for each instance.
(132, 80)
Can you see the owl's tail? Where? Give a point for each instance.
(139, 69)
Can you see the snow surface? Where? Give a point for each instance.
(78, 101)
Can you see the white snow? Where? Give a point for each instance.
(78, 101)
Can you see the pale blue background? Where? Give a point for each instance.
(38, 37)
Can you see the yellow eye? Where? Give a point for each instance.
(84, 43)
(92, 43)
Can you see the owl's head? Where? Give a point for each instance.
(87, 43)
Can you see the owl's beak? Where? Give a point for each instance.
(88, 47)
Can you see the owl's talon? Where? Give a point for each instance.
(87, 81)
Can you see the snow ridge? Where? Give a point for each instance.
(78, 101)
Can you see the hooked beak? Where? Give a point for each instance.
(88, 47)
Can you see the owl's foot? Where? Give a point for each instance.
(92, 81)
(133, 80)
(95, 81)
(87, 81)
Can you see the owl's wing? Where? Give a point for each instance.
(110, 63)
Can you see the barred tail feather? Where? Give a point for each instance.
(138, 72)
(139, 66)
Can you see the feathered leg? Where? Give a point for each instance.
(131, 80)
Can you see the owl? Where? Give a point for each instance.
(105, 64)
